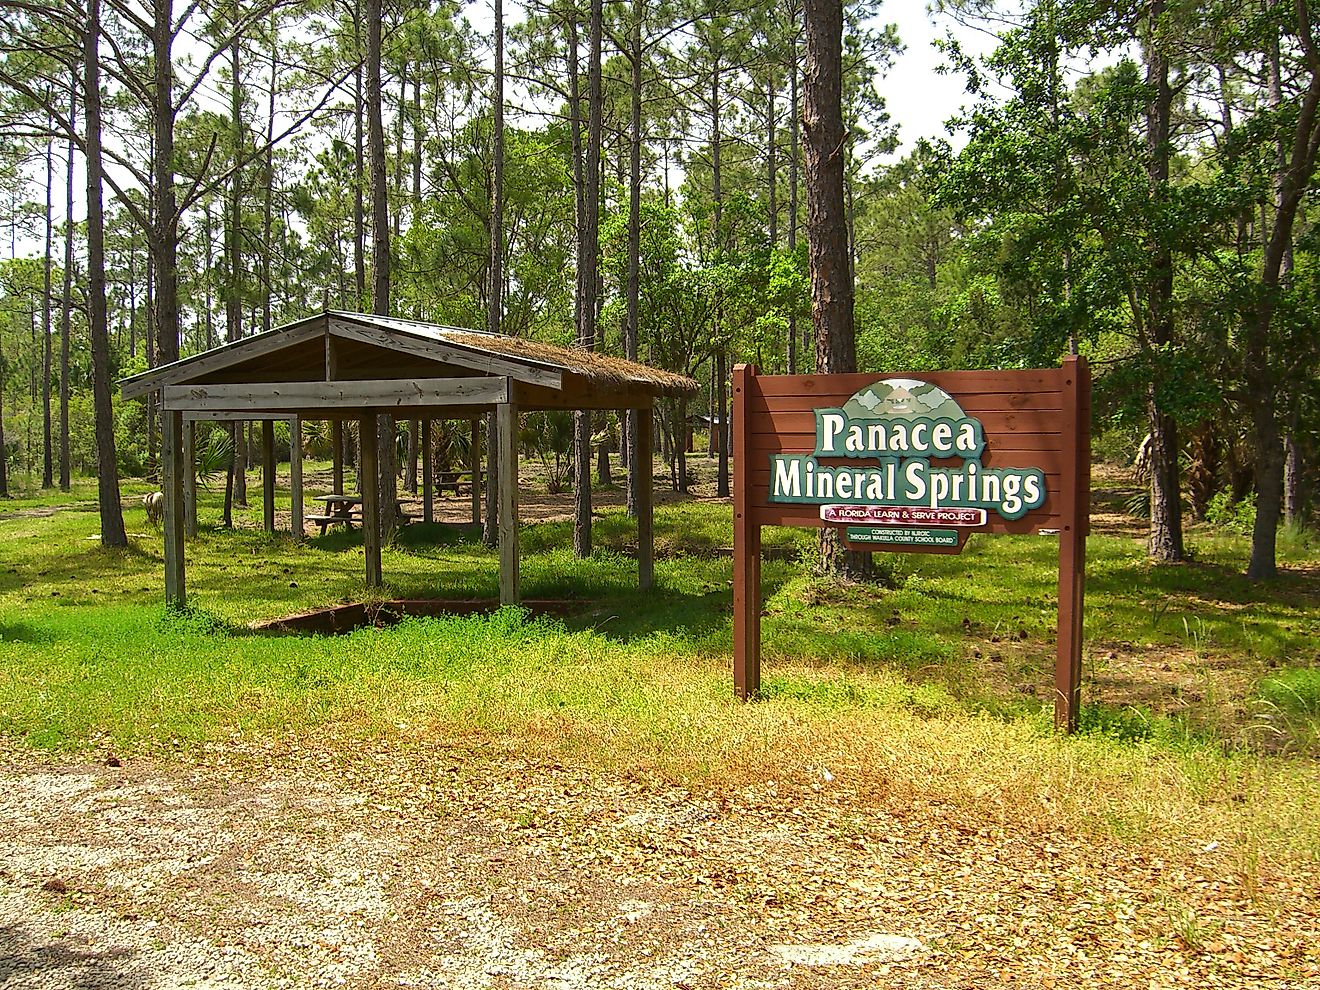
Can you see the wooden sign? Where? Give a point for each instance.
(914, 464)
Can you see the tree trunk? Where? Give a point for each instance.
(268, 168)
(794, 118)
(165, 245)
(827, 227)
(721, 354)
(47, 355)
(1293, 475)
(388, 459)
(1166, 535)
(359, 143)
(588, 256)
(637, 473)
(234, 251)
(66, 309)
(495, 293)
(107, 468)
(1165, 491)
(1263, 375)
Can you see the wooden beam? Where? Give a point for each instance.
(369, 482)
(221, 416)
(582, 393)
(508, 366)
(171, 483)
(268, 474)
(341, 395)
(189, 478)
(219, 358)
(746, 552)
(428, 473)
(507, 471)
(645, 514)
(474, 465)
(296, 478)
(1075, 495)
(337, 441)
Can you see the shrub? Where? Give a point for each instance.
(1232, 517)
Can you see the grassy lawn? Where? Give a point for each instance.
(1202, 689)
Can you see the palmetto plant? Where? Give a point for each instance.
(212, 458)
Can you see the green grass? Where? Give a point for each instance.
(1202, 688)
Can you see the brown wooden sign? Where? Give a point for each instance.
(914, 463)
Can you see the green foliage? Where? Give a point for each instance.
(1232, 515)
(1296, 692)
(213, 456)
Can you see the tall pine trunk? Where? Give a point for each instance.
(234, 290)
(721, 353)
(638, 473)
(827, 227)
(47, 355)
(165, 243)
(380, 260)
(107, 468)
(495, 269)
(582, 330)
(66, 304)
(1166, 532)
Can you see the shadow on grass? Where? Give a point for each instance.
(1211, 582)
(24, 632)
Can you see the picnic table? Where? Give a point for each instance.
(345, 510)
(455, 480)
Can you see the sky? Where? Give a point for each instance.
(919, 99)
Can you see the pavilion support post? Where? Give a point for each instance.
(295, 477)
(189, 478)
(507, 480)
(474, 465)
(645, 486)
(428, 472)
(268, 474)
(171, 482)
(337, 442)
(369, 451)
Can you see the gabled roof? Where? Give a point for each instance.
(293, 349)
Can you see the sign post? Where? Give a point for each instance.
(914, 464)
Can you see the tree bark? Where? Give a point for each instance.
(66, 308)
(165, 243)
(1297, 150)
(47, 361)
(387, 459)
(1166, 531)
(827, 227)
(234, 251)
(495, 270)
(107, 468)
(588, 257)
(359, 141)
(637, 473)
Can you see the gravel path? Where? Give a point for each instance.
(426, 865)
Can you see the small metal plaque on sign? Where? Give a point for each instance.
(903, 537)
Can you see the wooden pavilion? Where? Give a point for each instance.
(351, 366)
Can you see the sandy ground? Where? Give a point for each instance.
(420, 864)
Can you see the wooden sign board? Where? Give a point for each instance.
(914, 463)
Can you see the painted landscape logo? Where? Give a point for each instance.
(902, 424)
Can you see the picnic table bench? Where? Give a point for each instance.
(345, 510)
(455, 480)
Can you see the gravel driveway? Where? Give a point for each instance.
(431, 865)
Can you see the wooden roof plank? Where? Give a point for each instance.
(377, 394)
(222, 357)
